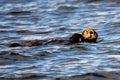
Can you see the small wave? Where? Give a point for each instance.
(20, 13)
(13, 56)
(67, 7)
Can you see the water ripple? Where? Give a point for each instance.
(24, 20)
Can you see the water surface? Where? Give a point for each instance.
(22, 20)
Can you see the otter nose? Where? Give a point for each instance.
(91, 32)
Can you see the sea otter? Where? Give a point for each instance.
(90, 35)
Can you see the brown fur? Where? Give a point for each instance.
(90, 35)
(75, 38)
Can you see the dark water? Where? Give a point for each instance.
(22, 20)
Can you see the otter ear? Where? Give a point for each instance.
(83, 32)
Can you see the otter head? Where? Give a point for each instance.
(90, 35)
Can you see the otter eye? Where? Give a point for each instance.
(91, 32)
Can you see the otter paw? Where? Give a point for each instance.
(75, 38)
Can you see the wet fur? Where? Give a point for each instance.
(90, 35)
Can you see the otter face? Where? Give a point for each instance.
(90, 35)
